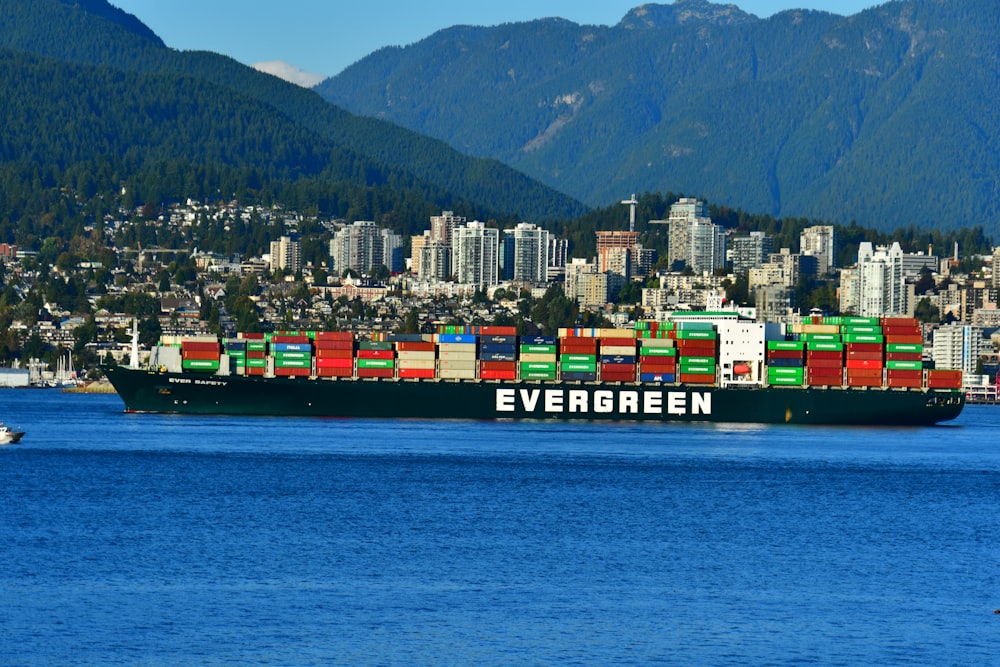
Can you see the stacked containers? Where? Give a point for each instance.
(498, 357)
(697, 351)
(415, 356)
(236, 350)
(456, 356)
(904, 351)
(376, 359)
(825, 363)
(618, 355)
(577, 356)
(657, 360)
(200, 354)
(292, 354)
(334, 352)
(538, 358)
(785, 362)
(865, 349)
(944, 379)
(256, 356)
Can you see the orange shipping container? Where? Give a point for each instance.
(854, 381)
(697, 378)
(415, 346)
(200, 354)
(864, 373)
(334, 372)
(334, 354)
(376, 372)
(909, 340)
(416, 372)
(900, 322)
(299, 372)
(904, 382)
(497, 375)
(902, 374)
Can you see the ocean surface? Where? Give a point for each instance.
(167, 540)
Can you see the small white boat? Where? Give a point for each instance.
(8, 436)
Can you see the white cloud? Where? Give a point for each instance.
(289, 73)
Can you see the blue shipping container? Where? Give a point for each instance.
(580, 377)
(498, 356)
(617, 359)
(456, 338)
(657, 377)
(291, 347)
(503, 348)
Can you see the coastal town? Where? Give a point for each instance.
(69, 309)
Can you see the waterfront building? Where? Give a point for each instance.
(957, 346)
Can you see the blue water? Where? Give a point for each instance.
(159, 540)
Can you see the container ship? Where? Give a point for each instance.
(695, 367)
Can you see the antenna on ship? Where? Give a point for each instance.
(133, 361)
(631, 203)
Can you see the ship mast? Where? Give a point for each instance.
(133, 361)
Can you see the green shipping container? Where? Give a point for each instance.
(785, 380)
(904, 365)
(821, 346)
(292, 356)
(696, 334)
(256, 346)
(207, 365)
(579, 367)
(538, 375)
(861, 320)
(864, 338)
(785, 371)
(904, 347)
(862, 329)
(256, 363)
(657, 351)
(821, 338)
(786, 344)
(376, 363)
(696, 368)
(375, 345)
(697, 361)
(578, 358)
(292, 363)
(543, 366)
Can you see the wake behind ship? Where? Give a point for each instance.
(703, 366)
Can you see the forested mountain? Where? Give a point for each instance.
(94, 101)
(888, 118)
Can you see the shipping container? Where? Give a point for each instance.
(421, 373)
(658, 377)
(497, 375)
(376, 363)
(697, 378)
(579, 377)
(334, 363)
(904, 365)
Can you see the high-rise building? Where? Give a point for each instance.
(286, 255)
(749, 252)
(616, 251)
(475, 254)
(434, 260)
(957, 346)
(881, 289)
(531, 254)
(442, 226)
(820, 242)
(693, 240)
(363, 247)
(416, 243)
(558, 256)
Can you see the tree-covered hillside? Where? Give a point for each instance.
(887, 118)
(108, 94)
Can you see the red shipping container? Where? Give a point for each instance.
(865, 347)
(824, 380)
(250, 370)
(902, 374)
(697, 378)
(376, 372)
(864, 373)
(624, 368)
(826, 373)
(492, 330)
(334, 372)
(865, 355)
(298, 372)
(853, 381)
(333, 344)
(909, 340)
(256, 354)
(784, 354)
(250, 336)
(376, 354)
(903, 356)
(904, 382)
(696, 347)
(864, 364)
(825, 363)
(900, 321)
(944, 379)
(343, 362)
(416, 372)
(200, 354)
(334, 354)
(342, 336)
(572, 348)
(199, 346)
(657, 367)
(415, 346)
(498, 365)
(284, 338)
(824, 354)
(902, 331)
(497, 375)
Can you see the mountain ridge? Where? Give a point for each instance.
(803, 114)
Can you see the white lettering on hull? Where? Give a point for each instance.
(603, 402)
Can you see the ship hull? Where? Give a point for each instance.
(192, 393)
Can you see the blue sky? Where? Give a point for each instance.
(325, 36)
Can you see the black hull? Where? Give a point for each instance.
(193, 393)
